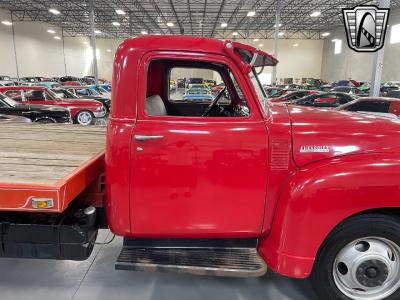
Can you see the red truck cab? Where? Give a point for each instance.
(234, 185)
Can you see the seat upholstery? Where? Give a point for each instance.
(155, 106)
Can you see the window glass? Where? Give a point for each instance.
(257, 86)
(373, 106)
(193, 91)
(7, 100)
(15, 95)
(393, 94)
(194, 84)
(36, 95)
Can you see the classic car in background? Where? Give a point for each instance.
(83, 111)
(382, 105)
(198, 93)
(36, 113)
(69, 80)
(13, 119)
(350, 90)
(293, 95)
(217, 88)
(209, 82)
(83, 92)
(327, 100)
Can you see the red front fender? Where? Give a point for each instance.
(320, 196)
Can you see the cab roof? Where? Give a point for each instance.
(246, 53)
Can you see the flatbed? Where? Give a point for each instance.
(48, 161)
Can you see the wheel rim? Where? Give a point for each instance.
(84, 118)
(368, 268)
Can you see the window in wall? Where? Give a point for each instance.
(395, 34)
(338, 46)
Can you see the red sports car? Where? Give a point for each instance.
(83, 111)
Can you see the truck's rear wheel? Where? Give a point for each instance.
(360, 260)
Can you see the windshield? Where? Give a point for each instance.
(51, 95)
(66, 93)
(9, 101)
(261, 95)
(101, 90)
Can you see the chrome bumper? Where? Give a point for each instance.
(99, 114)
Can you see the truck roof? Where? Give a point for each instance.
(191, 43)
(48, 161)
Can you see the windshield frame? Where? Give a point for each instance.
(258, 87)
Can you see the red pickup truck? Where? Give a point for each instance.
(225, 188)
(83, 111)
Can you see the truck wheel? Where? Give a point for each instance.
(360, 260)
(84, 117)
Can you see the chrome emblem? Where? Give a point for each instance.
(314, 149)
(365, 27)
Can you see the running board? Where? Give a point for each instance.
(229, 262)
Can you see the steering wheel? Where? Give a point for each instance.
(213, 103)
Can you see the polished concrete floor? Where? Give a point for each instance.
(96, 278)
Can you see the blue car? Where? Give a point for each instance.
(200, 95)
(105, 86)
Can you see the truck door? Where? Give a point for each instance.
(198, 169)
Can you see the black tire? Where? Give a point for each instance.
(87, 120)
(45, 121)
(361, 226)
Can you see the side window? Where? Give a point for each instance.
(72, 91)
(374, 106)
(326, 99)
(193, 89)
(15, 95)
(34, 95)
(343, 100)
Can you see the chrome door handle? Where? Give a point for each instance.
(147, 137)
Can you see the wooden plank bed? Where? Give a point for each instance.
(48, 161)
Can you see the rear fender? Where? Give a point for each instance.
(318, 197)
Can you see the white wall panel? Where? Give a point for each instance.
(40, 54)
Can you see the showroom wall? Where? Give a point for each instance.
(350, 64)
(303, 61)
(38, 53)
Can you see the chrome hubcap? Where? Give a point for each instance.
(84, 118)
(368, 268)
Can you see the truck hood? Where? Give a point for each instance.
(321, 134)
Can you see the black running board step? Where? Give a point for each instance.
(229, 262)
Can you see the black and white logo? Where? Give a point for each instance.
(366, 27)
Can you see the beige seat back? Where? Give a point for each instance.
(155, 106)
